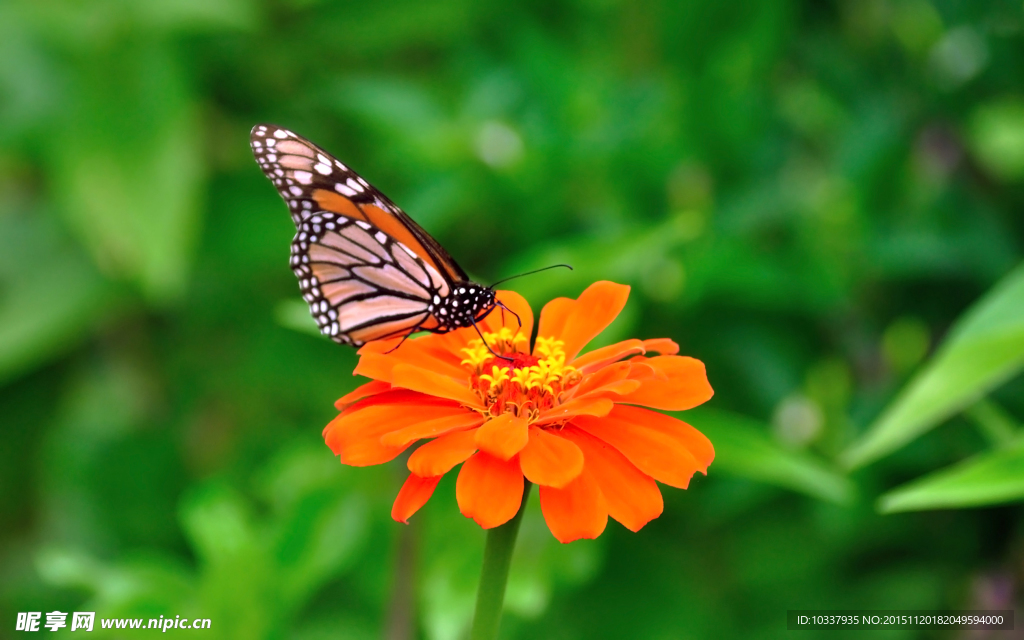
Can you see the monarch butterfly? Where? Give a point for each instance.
(367, 270)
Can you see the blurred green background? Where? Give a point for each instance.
(820, 200)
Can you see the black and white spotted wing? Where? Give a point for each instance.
(367, 270)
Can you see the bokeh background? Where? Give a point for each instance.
(820, 200)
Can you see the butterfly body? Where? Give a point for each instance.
(366, 269)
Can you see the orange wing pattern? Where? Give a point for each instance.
(309, 179)
(360, 284)
(367, 271)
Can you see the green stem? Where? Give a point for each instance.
(494, 575)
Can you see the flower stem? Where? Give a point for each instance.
(494, 575)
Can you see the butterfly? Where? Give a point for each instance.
(367, 270)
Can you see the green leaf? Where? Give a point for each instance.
(984, 350)
(217, 522)
(198, 15)
(51, 296)
(990, 478)
(125, 587)
(743, 448)
(128, 165)
(998, 427)
(997, 137)
(318, 540)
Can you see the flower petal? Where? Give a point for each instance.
(397, 397)
(694, 441)
(413, 495)
(620, 388)
(550, 460)
(611, 380)
(575, 407)
(554, 316)
(489, 490)
(503, 436)
(355, 436)
(434, 384)
(663, 346)
(592, 361)
(423, 427)
(679, 383)
(575, 511)
(499, 318)
(640, 370)
(594, 310)
(439, 456)
(606, 375)
(632, 496)
(371, 388)
(667, 449)
(375, 362)
(452, 342)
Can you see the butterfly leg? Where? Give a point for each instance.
(402, 341)
(518, 320)
(487, 345)
(504, 309)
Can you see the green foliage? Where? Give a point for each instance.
(984, 349)
(253, 573)
(34, 323)
(997, 133)
(989, 478)
(744, 448)
(807, 196)
(132, 197)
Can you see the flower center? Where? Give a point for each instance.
(526, 384)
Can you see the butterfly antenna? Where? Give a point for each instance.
(530, 273)
(487, 345)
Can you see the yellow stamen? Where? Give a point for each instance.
(522, 390)
(497, 376)
(476, 354)
(547, 347)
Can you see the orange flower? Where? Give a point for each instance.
(567, 422)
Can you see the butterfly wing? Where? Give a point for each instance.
(366, 269)
(361, 284)
(311, 180)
